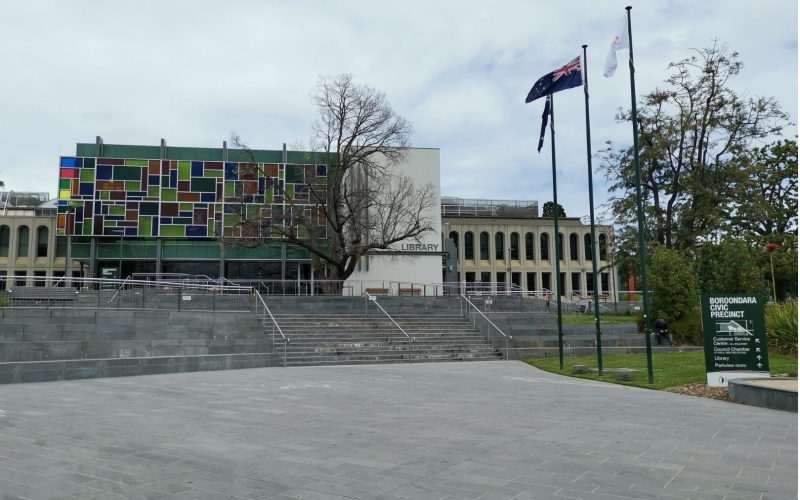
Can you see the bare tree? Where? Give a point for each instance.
(352, 199)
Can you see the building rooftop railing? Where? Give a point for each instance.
(489, 208)
(14, 199)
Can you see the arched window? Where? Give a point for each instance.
(469, 246)
(5, 238)
(544, 246)
(22, 241)
(41, 242)
(454, 236)
(573, 247)
(484, 246)
(603, 253)
(529, 246)
(514, 246)
(499, 250)
(560, 249)
(587, 247)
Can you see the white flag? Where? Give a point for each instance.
(620, 42)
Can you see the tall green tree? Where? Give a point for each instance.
(763, 210)
(547, 210)
(763, 200)
(690, 131)
(730, 266)
(673, 282)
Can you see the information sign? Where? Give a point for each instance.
(735, 337)
(109, 273)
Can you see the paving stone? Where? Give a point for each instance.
(488, 430)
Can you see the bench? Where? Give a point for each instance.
(378, 291)
(602, 296)
(43, 295)
(410, 291)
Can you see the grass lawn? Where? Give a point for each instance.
(670, 369)
(588, 319)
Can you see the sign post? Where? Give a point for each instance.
(735, 337)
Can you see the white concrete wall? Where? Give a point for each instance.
(406, 266)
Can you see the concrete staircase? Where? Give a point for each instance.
(329, 339)
(40, 345)
(536, 335)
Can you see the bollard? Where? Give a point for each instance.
(625, 375)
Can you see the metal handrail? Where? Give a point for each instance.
(121, 286)
(274, 325)
(371, 298)
(489, 322)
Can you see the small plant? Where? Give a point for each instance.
(781, 323)
(4, 302)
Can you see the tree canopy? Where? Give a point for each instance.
(547, 210)
(691, 133)
(719, 182)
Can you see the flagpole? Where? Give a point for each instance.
(639, 207)
(555, 222)
(591, 215)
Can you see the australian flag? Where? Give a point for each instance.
(566, 77)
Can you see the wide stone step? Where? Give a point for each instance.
(383, 338)
(388, 360)
(387, 349)
(117, 335)
(42, 371)
(54, 351)
(375, 333)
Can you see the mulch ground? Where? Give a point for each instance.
(701, 389)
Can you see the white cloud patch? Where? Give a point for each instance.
(192, 71)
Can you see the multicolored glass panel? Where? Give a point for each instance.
(175, 198)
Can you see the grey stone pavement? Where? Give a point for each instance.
(482, 430)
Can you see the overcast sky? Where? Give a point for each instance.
(191, 72)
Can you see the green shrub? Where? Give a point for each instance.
(781, 323)
(640, 322)
(673, 283)
(4, 302)
(688, 330)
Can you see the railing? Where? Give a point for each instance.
(488, 322)
(274, 325)
(370, 298)
(119, 289)
(100, 293)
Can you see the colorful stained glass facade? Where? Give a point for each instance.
(176, 198)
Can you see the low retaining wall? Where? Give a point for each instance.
(775, 392)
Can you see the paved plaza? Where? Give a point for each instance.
(482, 430)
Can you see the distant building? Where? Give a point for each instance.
(159, 209)
(156, 210)
(504, 244)
(30, 251)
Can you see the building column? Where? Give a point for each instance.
(93, 258)
(222, 260)
(159, 256)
